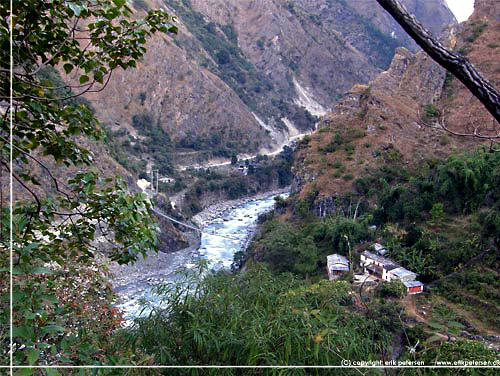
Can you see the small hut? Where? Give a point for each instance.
(336, 265)
(414, 287)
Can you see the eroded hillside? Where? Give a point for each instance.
(242, 76)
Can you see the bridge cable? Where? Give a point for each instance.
(160, 213)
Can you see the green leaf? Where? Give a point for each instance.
(68, 68)
(33, 355)
(119, 3)
(455, 324)
(83, 78)
(24, 372)
(20, 331)
(31, 246)
(40, 270)
(49, 298)
(52, 372)
(433, 339)
(435, 324)
(14, 271)
(98, 76)
(53, 329)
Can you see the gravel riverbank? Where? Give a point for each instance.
(215, 212)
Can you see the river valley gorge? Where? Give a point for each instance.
(287, 186)
(224, 231)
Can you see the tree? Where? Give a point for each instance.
(455, 63)
(61, 211)
(234, 160)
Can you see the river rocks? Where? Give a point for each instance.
(215, 213)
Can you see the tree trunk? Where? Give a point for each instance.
(457, 64)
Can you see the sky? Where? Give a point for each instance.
(462, 9)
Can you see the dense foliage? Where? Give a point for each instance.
(59, 214)
(440, 222)
(303, 250)
(257, 318)
(410, 214)
(463, 183)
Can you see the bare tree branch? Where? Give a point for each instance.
(457, 64)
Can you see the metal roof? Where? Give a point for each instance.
(337, 262)
(404, 274)
(411, 284)
(382, 260)
(377, 247)
(374, 268)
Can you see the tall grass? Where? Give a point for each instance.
(256, 318)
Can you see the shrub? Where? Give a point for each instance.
(260, 43)
(353, 133)
(363, 185)
(393, 289)
(305, 141)
(349, 149)
(330, 148)
(431, 111)
(256, 318)
(338, 139)
(142, 97)
(444, 140)
(478, 28)
(280, 202)
(437, 213)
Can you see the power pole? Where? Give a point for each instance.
(151, 179)
(157, 178)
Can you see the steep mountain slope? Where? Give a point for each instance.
(329, 45)
(376, 126)
(242, 76)
(395, 120)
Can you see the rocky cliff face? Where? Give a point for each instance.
(242, 75)
(371, 126)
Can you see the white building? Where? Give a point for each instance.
(336, 265)
(389, 271)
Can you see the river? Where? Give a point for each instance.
(226, 234)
